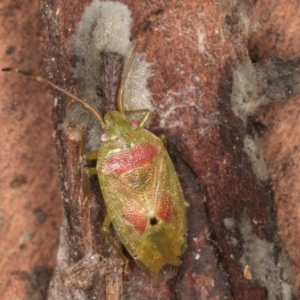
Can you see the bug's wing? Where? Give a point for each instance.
(164, 242)
(147, 208)
(125, 209)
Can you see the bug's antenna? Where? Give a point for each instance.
(120, 102)
(88, 106)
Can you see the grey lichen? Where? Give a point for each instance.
(257, 84)
(246, 96)
(259, 255)
(105, 27)
(254, 152)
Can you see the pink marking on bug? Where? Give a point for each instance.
(136, 218)
(103, 137)
(134, 124)
(165, 209)
(123, 161)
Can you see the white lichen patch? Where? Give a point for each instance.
(246, 96)
(259, 257)
(254, 152)
(105, 27)
(257, 84)
(229, 223)
(231, 237)
(287, 287)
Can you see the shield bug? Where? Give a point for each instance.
(140, 187)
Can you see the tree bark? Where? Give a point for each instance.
(193, 49)
(30, 205)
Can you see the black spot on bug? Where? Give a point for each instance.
(153, 221)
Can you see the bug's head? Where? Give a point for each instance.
(116, 125)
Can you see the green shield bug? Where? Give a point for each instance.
(140, 187)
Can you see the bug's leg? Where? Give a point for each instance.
(91, 155)
(105, 229)
(86, 172)
(91, 171)
(86, 176)
(144, 120)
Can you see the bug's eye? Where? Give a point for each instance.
(104, 137)
(134, 124)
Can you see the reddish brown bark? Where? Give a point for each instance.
(192, 49)
(279, 35)
(204, 142)
(30, 205)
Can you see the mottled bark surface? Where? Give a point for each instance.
(279, 34)
(192, 48)
(30, 205)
